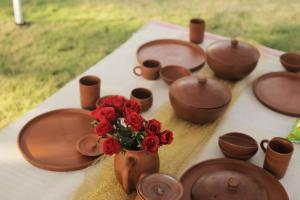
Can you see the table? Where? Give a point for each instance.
(21, 180)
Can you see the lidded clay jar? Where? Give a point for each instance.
(232, 59)
(159, 187)
(199, 100)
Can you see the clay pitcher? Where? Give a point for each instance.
(132, 165)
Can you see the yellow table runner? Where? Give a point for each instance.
(189, 139)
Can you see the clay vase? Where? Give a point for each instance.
(197, 28)
(132, 165)
(149, 69)
(143, 96)
(89, 91)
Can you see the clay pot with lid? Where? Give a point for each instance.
(159, 187)
(199, 100)
(232, 59)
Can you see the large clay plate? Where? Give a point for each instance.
(173, 52)
(280, 91)
(49, 140)
(266, 183)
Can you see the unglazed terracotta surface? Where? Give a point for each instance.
(199, 100)
(232, 59)
(149, 69)
(238, 145)
(159, 187)
(228, 179)
(280, 91)
(290, 61)
(132, 165)
(89, 91)
(171, 73)
(197, 29)
(143, 96)
(172, 52)
(49, 140)
(278, 155)
(89, 145)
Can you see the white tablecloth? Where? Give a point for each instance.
(21, 180)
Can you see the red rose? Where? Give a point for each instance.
(151, 143)
(111, 146)
(153, 127)
(131, 106)
(134, 120)
(114, 101)
(108, 112)
(103, 127)
(166, 137)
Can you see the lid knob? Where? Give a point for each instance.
(202, 80)
(233, 184)
(160, 191)
(234, 43)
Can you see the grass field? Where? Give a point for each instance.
(65, 37)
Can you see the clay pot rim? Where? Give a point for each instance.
(239, 157)
(166, 78)
(287, 63)
(145, 89)
(229, 40)
(93, 78)
(197, 21)
(280, 139)
(235, 145)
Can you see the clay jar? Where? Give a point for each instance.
(278, 155)
(159, 187)
(291, 62)
(199, 100)
(143, 96)
(149, 69)
(197, 28)
(89, 91)
(132, 165)
(232, 59)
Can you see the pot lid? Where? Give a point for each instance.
(233, 53)
(200, 92)
(159, 186)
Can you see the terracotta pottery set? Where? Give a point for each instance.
(291, 61)
(143, 96)
(149, 69)
(197, 29)
(132, 165)
(89, 91)
(199, 100)
(171, 73)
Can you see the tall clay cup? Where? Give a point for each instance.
(143, 96)
(132, 165)
(89, 91)
(278, 154)
(149, 69)
(197, 29)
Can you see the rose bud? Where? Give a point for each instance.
(135, 121)
(131, 106)
(151, 143)
(103, 127)
(153, 127)
(108, 112)
(166, 137)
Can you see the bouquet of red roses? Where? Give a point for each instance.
(119, 123)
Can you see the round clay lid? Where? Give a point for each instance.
(197, 92)
(159, 186)
(233, 53)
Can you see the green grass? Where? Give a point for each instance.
(65, 37)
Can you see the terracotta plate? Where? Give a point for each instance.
(252, 181)
(279, 91)
(173, 52)
(49, 140)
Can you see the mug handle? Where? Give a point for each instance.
(262, 145)
(130, 162)
(135, 72)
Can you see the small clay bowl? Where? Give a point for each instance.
(143, 96)
(88, 145)
(171, 73)
(291, 62)
(238, 145)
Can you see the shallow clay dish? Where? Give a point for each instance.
(49, 140)
(232, 59)
(171, 73)
(88, 145)
(280, 91)
(291, 61)
(199, 100)
(228, 179)
(172, 52)
(238, 145)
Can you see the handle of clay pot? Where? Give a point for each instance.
(262, 145)
(130, 162)
(135, 72)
